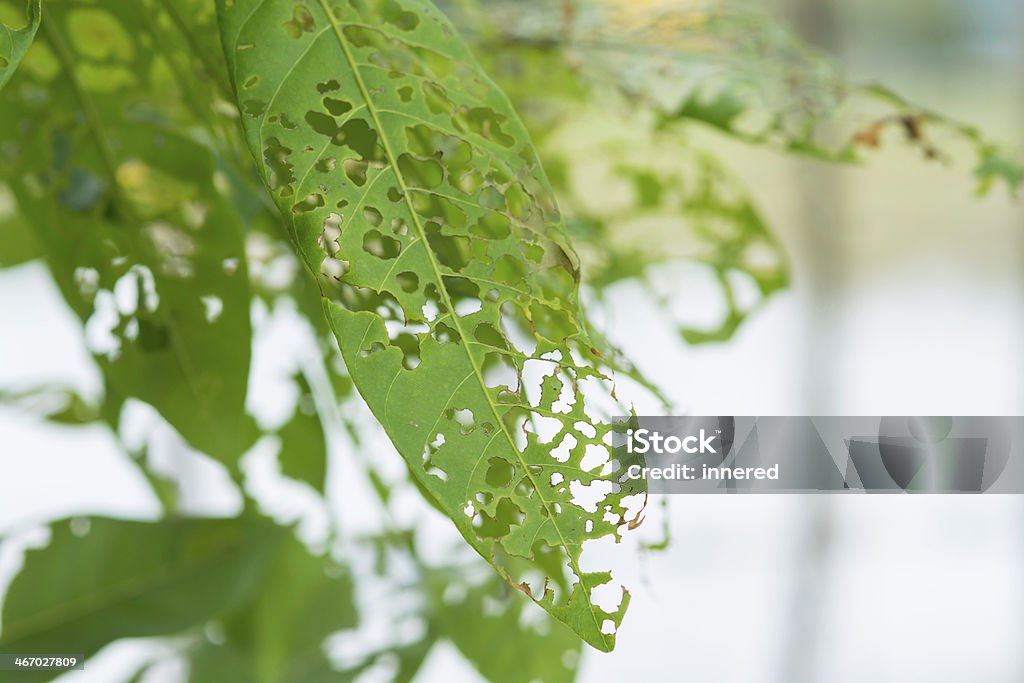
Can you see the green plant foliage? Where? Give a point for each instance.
(14, 43)
(303, 453)
(919, 126)
(683, 204)
(686, 193)
(480, 616)
(727, 65)
(19, 245)
(472, 608)
(103, 579)
(278, 635)
(57, 404)
(123, 201)
(718, 64)
(410, 184)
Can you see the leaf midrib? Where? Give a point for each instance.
(392, 161)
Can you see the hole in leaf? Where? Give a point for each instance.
(356, 171)
(276, 157)
(381, 246)
(486, 123)
(464, 418)
(422, 173)
(492, 225)
(326, 165)
(408, 281)
(486, 334)
(563, 451)
(507, 515)
(500, 473)
(393, 14)
(336, 107)
(452, 252)
(372, 216)
(410, 347)
(445, 334)
(310, 203)
(301, 22)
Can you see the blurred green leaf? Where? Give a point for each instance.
(732, 66)
(278, 635)
(15, 235)
(994, 166)
(303, 454)
(682, 205)
(102, 579)
(488, 625)
(55, 403)
(98, 150)
(703, 212)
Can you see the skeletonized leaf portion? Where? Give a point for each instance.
(412, 189)
(15, 43)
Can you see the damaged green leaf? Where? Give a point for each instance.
(410, 186)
